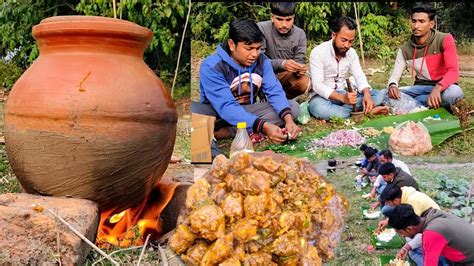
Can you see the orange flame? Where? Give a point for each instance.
(130, 227)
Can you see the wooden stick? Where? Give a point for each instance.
(163, 256)
(360, 35)
(114, 3)
(58, 242)
(121, 8)
(349, 89)
(143, 249)
(83, 238)
(180, 48)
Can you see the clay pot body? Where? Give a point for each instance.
(89, 119)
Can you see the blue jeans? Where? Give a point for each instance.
(325, 109)
(416, 256)
(387, 210)
(421, 92)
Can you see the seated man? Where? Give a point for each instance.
(230, 80)
(394, 196)
(285, 45)
(432, 56)
(372, 169)
(444, 234)
(386, 157)
(330, 62)
(396, 176)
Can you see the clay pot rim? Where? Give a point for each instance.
(62, 25)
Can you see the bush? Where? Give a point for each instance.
(9, 73)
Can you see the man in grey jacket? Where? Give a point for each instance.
(285, 45)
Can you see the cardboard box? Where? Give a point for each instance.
(202, 133)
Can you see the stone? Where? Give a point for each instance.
(29, 234)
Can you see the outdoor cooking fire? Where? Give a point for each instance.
(132, 226)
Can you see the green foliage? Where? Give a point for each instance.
(165, 18)
(9, 73)
(210, 21)
(451, 193)
(16, 21)
(383, 29)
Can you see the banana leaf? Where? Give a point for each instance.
(439, 130)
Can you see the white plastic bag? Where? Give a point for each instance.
(410, 138)
(404, 105)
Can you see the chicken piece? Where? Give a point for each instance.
(324, 247)
(239, 252)
(286, 221)
(208, 221)
(219, 193)
(245, 230)
(258, 258)
(286, 172)
(312, 257)
(287, 244)
(232, 206)
(182, 239)
(266, 164)
(252, 247)
(232, 261)
(251, 182)
(240, 162)
(220, 167)
(288, 260)
(254, 206)
(197, 193)
(219, 250)
(195, 253)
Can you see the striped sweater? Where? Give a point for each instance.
(435, 61)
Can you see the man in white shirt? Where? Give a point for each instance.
(330, 64)
(386, 156)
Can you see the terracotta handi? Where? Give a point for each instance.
(89, 119)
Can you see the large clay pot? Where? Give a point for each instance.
(89, 119)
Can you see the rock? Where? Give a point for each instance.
(170, 213)
(29, 235)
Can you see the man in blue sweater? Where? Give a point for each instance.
(233, 77)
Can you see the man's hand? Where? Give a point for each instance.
(402, 254)
(292, 129)
(367, 102)
(434, 99)
(350, 98)
(293, 66)
(382, 224)
(274, 133)
(374, 206)
(394, 92)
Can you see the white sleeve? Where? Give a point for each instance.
(358, 73)
(415, 242)
(398, 69)
(378, 181)
(316, 69)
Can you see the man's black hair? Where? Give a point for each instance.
(243, 30)
(387, 154)
(369, 152)
(387, 168)
(344, 21)
(391, 192)
(363, 147)
(425, 8)
(403, 216)
(283, 9)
